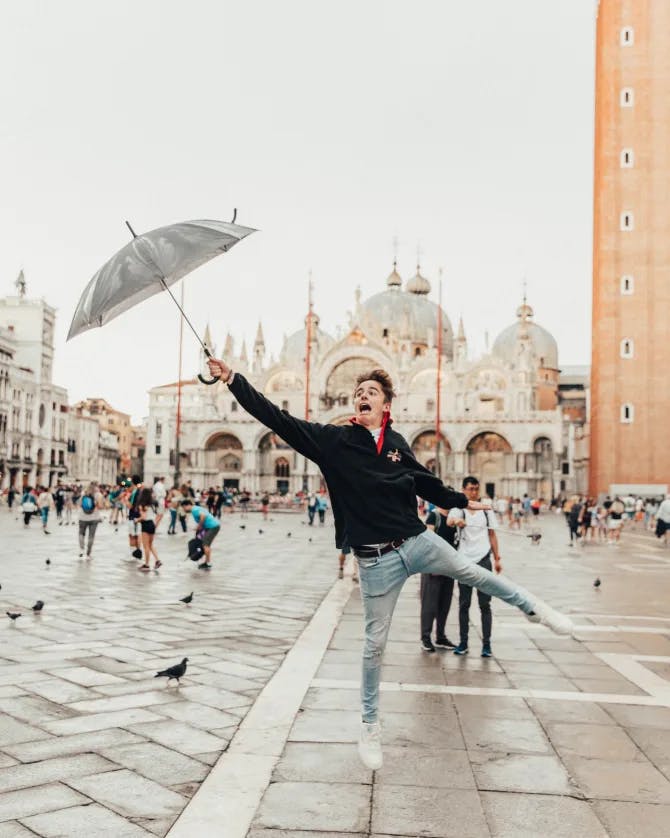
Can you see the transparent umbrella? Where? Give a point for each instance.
(149, 264)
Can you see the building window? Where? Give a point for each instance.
(430, 405)
(627, 413)
(626, 97)
(627, 284)
(233, 407)
(627, 36)
(159, 429)
(627, 348)
(627, 158)
(565, 468)
(626, 222)
(158, 449)
(385, 333)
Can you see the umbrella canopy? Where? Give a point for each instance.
(148, 265)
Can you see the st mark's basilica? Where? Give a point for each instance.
(508, 417)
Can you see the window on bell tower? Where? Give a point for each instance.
(626, 97)
(627, 348)
(627, 413)
(627, 160)
(626, 222)
(627, 284)
(627, 36)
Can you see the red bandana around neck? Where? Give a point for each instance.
(386, 420)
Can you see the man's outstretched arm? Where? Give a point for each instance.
(305, 437)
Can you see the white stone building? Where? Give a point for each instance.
(500, 414)
(33, 410)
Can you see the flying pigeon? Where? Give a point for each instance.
(535, 537)
(39, 605)
(13, 615)
(597, 583)
(177, 671)
(187, 599)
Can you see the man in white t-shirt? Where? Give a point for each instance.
(477, 543)
(663, 518)
(160, 493)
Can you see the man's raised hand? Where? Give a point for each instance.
(218, 368)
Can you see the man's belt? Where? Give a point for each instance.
(370, 552)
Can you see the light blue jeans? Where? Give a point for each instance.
(382, 579)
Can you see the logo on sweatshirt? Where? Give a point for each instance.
(394, 456)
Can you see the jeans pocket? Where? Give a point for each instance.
(376, 577)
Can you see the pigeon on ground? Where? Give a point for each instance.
(288, 534)
(177, 671)
(243, 526)
(48, 561)
(535, 537)
(13, 615)
(597, 583)
(187, 599)
(310, 541)
(260, 532)
(39, 605)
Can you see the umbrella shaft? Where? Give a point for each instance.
(183, 314)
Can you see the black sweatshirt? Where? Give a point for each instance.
(373, 495)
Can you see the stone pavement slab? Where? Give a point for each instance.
(38, 799)
(322, 807)
(83, 822)
(129, 794)
(533, 815)
(425, 811)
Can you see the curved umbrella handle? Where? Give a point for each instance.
(209, 380)
(202, 378)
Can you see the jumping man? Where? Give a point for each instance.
(373, 480)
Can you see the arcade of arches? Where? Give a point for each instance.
(490, 457)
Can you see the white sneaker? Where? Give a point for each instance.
(370, 745)
(548, 616)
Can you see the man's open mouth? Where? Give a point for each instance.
(365, 408)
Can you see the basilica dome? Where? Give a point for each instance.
(406, 315)
(543, 343)
(293, 350)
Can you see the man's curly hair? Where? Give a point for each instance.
(382, 378)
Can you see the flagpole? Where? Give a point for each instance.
(438, 432)
(308, 353)
(177, 452)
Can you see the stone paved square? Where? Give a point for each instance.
(549, 736)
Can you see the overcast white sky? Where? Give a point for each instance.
(466, 127)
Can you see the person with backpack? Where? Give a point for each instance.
(437, 590)
(477, 543)
(207, 529)
(90, 504)
(28, 505)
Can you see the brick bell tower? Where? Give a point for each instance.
(630, 378)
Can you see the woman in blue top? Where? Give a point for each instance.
(208, 527)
